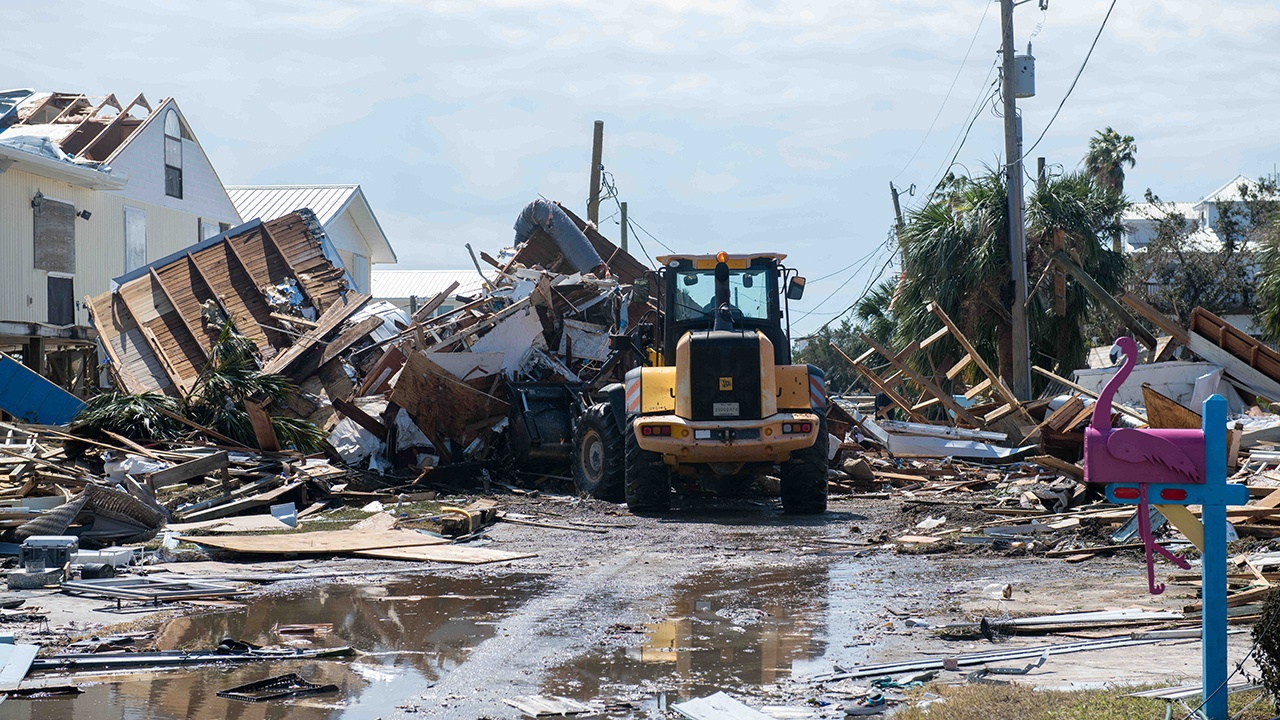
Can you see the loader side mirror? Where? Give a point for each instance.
(640, 291)
(795, 288)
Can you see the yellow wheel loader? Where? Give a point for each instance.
(721, 402)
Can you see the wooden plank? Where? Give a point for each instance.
(360, 417)
(1005, 393)
(1164, 412)
(441, 405)
(350, 336)
(1241, 373)
(188, 470)
(880, 385)
(320, 542)
(1101, 295)
(262, 429)
(943, 332)
(1086, 391)
(923, 382)
(425, 311)
(332, 318)
(461, 554)
(1166, 324)
(978, 389)
(959, 366)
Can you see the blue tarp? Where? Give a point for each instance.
(30, 398)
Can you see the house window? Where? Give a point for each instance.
(55, 235)
(135, 238)
(208, 228)
(172, 154)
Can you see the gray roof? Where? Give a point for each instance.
(268, 202)
(425, 284)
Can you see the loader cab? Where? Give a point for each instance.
(755, 297)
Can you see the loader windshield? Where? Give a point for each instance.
(695, 294)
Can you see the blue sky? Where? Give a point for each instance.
(729, 124)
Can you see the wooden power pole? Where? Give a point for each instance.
(1020, 383)
(897, 208)
(623, 208)
(597, 157)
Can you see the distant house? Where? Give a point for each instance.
(411, 289)
(1141, 221)
(90, 188)
(344, 213)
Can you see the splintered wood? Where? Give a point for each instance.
(441, 405)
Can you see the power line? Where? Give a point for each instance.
(984, 95)
(986, 6)
(1073, 82)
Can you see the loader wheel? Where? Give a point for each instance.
(648, 478)
(804, 477)
(598, 454)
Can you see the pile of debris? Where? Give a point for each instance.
(393, 391)
(1007, 476)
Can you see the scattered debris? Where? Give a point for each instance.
(276, 688)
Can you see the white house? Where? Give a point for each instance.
(1141, 220)
(90, 188)
(343, 211)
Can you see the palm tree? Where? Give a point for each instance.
(955, 253)
(1109, 153)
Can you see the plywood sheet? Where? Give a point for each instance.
(447, 554)
(323, 542)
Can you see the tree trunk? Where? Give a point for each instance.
(1004, 351)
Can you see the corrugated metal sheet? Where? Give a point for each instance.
(268, 202)
(425, 284)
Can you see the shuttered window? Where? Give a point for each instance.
(55, 235)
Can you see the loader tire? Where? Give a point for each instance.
(804, 477)
(598, 454)
(648, 480)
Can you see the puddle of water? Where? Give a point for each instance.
(724, 632)
(414, 632)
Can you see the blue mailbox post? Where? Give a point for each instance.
(1213, 496)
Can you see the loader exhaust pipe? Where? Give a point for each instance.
(724, 317)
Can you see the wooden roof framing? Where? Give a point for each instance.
(153, 323)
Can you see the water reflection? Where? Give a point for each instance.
(414, 632)
(724, 632)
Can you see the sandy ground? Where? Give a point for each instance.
(719, 594)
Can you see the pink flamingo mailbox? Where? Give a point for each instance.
(1188, 467)
(1149, 457)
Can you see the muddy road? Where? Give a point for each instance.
(643, 612)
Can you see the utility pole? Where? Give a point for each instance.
(1041, 178)
(897, 209)
(1020, 383)
(597, 157)
(623, 206)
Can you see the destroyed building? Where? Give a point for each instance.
(91, 187)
